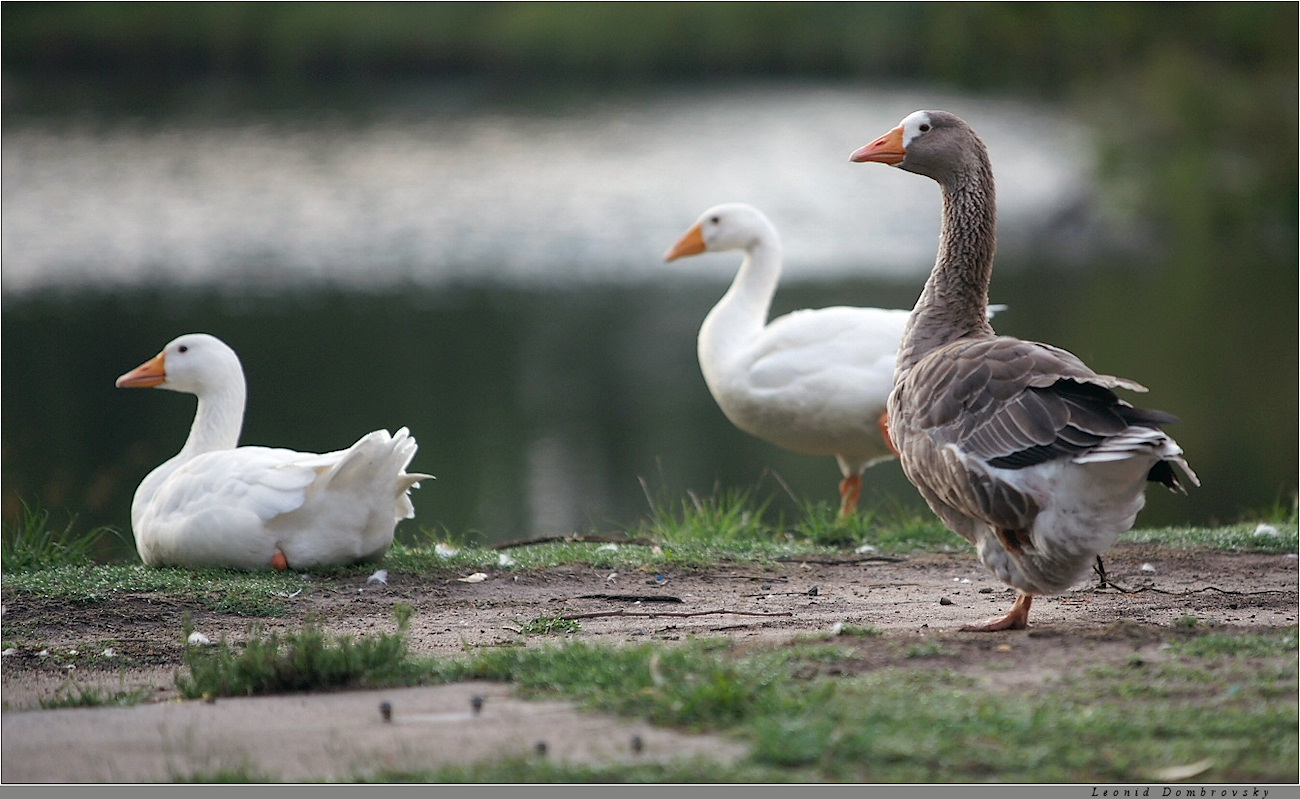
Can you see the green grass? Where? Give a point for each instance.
(550, 625)
(307, 660)
(1224, 697)
(736, 526)
(254, 594)
(895, 725)
(76, 695)
(31, 542)
(1232, 538)
(813, 709)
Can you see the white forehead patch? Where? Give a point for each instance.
(912, 126)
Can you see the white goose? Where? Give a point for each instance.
(1017, 446)
(216, 504)
(812, 381)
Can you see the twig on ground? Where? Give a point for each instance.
(630, 598)
(762, 578)
(600, 614)
(1121, 589)
(841, 561)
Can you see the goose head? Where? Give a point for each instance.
(730, 226)
(936, 144)
(195, 363)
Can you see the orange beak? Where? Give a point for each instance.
(147, 375)
(888, 149)
(691, 243)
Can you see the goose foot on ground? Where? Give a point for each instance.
(1016, 619)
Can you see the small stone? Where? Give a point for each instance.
(986, 590)
(814, 591)
(943, 600)
(540, 748)
(1148, 568)
(476, 703)
(637, 744)
(386, 710)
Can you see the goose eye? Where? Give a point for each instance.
(182, 348)
(925, 128)
(714, 219)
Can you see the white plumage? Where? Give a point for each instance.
(216, 504)
(812, 381)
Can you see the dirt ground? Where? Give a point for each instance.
(913, 600)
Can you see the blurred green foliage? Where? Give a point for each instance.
(1044, 47)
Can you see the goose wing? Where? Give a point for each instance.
(239, 485)
(1005, 403)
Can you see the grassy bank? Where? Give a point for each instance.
(845, 704)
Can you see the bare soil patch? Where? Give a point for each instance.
(915, 601)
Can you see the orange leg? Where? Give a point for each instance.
(1016, 619)
(850, 490)
(883, 422)
(279, 561)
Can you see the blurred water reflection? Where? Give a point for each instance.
(489, 274)
(588, 189)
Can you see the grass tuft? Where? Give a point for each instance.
(76, 695)
(32, 543)
(723, 519)
(306, 660)
(550, 625)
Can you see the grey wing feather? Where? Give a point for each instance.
(1014, 403)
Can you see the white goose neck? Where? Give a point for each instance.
(742, 312)
(218, 420)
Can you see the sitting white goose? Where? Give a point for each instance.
(216, 504)
(812, 381)
(1017, 446)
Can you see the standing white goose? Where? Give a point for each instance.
(1017, 446)
(812, 381)
(216, 504)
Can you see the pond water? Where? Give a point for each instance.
(488, 271)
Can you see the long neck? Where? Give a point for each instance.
(218, 420)
(742, 312)
(954, 303)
